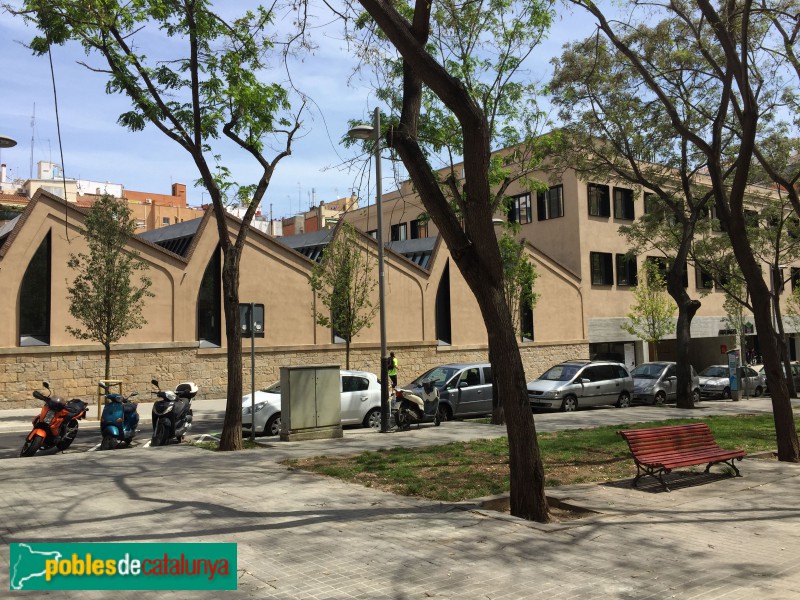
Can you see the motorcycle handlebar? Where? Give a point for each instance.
(39, 395)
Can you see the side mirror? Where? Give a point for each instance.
(103, 385)
(154, 382)
(133, 394)
(462, 384)
(46, 384)
(672, 378)
(585, 380)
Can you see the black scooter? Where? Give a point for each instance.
(172, 414)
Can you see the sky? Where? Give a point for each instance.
(96, 148)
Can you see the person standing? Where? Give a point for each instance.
(392, 369)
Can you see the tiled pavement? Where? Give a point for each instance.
(304, 536)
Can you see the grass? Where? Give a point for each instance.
(460, 471)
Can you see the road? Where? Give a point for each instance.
(208, 419)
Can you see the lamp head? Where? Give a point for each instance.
(361, 132)
(7, 142)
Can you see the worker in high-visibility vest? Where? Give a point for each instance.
(392, 369)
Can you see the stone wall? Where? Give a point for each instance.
(74, 371)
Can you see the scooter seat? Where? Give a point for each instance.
(129, 407)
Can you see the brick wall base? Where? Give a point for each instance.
(74, 371)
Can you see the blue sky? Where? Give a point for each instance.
(97, 148)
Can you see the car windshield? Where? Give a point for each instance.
(648, 371)
(439, 376)
(715, 371)
(274, 388)
(560, 373)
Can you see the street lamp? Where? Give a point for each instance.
(7, 142)
(373, 132)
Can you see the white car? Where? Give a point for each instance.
(361, 403)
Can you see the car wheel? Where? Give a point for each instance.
(696, 396)
(726, 393)
(373, 419)
(624, 400)
(569, 404)
(660, 399)
(758, 391)
(445, 413)
(273, 426)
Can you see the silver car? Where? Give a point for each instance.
(715, 382)
(657, 383)
(582, 383)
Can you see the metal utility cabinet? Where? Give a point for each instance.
(311, 405)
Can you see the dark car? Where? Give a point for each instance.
(465, 389)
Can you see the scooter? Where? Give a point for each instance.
(56, 425)
(413, 409)
(172, 414)
(119, 419)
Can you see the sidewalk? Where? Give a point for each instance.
(304, 536)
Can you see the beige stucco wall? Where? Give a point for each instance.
(74, 371)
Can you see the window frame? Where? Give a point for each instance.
(599, 195)
(605, 274)
(516, 212)
(545, 203)
(624, 209)
(398, 227)
(623, 266)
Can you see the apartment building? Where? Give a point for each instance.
(576, 224)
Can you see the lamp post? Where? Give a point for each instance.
(373, 132)
(7, 142)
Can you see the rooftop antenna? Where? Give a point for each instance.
(299, 199)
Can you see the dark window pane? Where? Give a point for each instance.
(623, 204)
(602, 268)
(599, 202)
(34, 298)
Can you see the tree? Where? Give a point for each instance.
(519, 277)
(463, 62)
(652, 316)
(737, 319)
(733, 51)
(102, 298)
(343, 282)
(208, 88)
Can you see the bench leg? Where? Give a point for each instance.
(726, 462)
(642, 470)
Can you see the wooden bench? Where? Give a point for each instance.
(658, 450)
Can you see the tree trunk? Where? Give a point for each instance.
(783, 348)
(785, 433)
(498, 415)
(347, 354)
(231, 438)
(107, 348)
(687, 308)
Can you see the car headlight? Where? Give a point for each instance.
(552, 394)
(261, 406)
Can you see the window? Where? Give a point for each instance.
(443, 320)
(602, 269)
(471, 377)
(487, 375)
(652, 204)
(795, 275)
(34, 299)
(520, 211)
(351, 383)
(165, 221)
(373, 233)
(419, 229)
(550, 204)
(140, 224)
(623, 204)
(703, 279)
(399, 232)
(777, 279)
(626, 270)
(209, 314)
(663, 266)
(599, 205)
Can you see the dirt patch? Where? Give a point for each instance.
(764, 455)
(560, 512)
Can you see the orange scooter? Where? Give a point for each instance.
(56, 425)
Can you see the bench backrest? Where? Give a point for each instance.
(671, 438)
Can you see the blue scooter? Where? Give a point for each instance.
(119, 419)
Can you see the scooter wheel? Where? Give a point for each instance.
(436, 420)
(160, 435)
(108, 443)
(30, 446)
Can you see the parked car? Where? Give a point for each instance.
(465, 389)
(795, 375)
(361, 403)
(582, 383)
(657, 383)
(715, 382)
